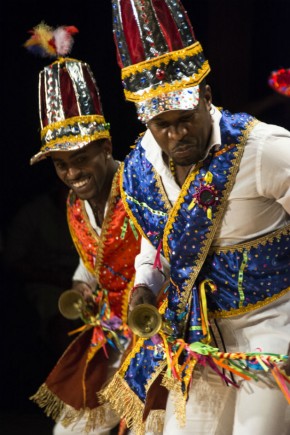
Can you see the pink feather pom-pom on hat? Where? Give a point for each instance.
(48, 42)
(70, 109)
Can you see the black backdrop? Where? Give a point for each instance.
(244, 41)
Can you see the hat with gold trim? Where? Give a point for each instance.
(70, 109)
(162, 64)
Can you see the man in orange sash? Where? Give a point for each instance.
(76, 137)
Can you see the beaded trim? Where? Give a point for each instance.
(75, 129)
(166, 73)
(267, 238)
(249, 307)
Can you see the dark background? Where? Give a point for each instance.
(243, 40)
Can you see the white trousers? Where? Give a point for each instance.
(255, 408)
(79, 428)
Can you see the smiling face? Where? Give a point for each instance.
(183, 135)
(85, 171)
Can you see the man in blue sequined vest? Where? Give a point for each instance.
(210, 193)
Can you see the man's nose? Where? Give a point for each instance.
(177, 131)
(73, 173)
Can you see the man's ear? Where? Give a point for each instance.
(107, 146)
(208, 96)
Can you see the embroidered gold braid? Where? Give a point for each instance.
(75, 239)
(162, 191)
(127, 208)
(106, 223)
(249, 307)
(176, 208)
(267, 238)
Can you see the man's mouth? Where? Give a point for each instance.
(80, 184)
(182, 149)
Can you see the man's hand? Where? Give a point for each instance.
(142, 295)
(84, 290)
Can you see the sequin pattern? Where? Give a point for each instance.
(109, 257)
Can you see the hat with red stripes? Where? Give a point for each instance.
(161, 61)
(70, 108)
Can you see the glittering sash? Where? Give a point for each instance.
(110, 256)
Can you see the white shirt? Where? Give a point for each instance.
(258, 203)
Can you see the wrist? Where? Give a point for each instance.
(136, 286)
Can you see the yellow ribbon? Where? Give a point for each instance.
(208, 177)
(203, 309)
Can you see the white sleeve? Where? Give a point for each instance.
(82, 274)
(145, 274)
(274, 166)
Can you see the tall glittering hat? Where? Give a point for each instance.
(70, 109)
(162, 63)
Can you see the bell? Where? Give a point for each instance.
(70, 304)
(145, 320)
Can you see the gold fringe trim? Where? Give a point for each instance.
(66, 415)
(53, 407)
(155, 421)
(178, 397)
(94, 418)
(127, 404)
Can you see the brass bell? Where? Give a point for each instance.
(70, 304)
(145, 320)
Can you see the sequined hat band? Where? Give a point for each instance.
(166, 73)
(72, 134)
(183, 99)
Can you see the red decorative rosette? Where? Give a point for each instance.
(279, 80)
(206, 196)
